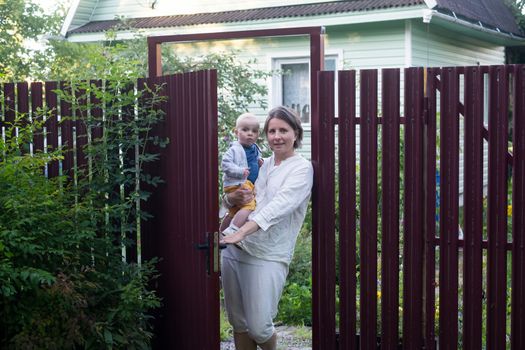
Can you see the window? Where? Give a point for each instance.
(292, 88)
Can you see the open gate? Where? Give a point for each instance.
(184, 230)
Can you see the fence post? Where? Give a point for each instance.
(497, 207)
(390, 209)
(518, 212)
(347, 211)
(429, 290)
(413, 211)
(473, 209)
(449, 209)
(368, 208)
(323, 217)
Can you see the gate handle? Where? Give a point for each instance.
(206, 247)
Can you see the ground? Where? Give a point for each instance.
(288, 338)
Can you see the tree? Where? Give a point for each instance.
(516, 54)
(22, 20)
(239, 84)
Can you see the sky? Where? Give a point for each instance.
(50, 5)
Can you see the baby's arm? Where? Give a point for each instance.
(229, 167)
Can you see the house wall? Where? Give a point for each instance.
(360, 46)
(391, 44)
(433, 46)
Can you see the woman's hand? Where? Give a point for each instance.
(233, 238)
(246, 230)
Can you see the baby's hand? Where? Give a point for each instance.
(261, 162)
(246, 172)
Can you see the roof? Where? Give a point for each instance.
(492, 14)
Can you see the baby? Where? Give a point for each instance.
(240, 165)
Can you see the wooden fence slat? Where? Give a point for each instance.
(193, 183)
(22, 96)
(497, 207)
(66, 128)
(430, 209)
(518, 212)
(52, 124)
(413, 211)
(390, 209)
(185, 150)
(81, 129)
(347, 210)
(212, 224)
(9, 103)
(151, 246)
(323, 240)
(96, 112)
(449, 209)
(37, 103)
(368, 208)
(473, 209)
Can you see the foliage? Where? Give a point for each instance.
(295, 307)
(65, 283)
(239, 84)
(225, 328)
(516, 54)
(22, 20)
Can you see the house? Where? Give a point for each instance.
(359, 34)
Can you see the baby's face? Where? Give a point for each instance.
(247, 132)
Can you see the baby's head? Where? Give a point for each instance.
(247, 129)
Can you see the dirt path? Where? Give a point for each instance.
(288, 338)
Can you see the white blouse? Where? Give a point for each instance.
(282, 195)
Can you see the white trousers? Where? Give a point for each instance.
(252, 289)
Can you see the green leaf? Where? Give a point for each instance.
(108, 337)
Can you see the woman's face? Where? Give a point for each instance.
(281, 137)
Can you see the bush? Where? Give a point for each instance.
(295, 307)
(64, 281)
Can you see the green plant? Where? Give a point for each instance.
(65, 283)
(295, 306)
(226, 330)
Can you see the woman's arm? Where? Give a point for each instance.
(293, 192)
(247, 229)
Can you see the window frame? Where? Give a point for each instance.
(276, 61)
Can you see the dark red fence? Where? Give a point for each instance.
(406, 275)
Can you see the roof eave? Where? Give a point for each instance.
(72, 21)
(306, 21)
(477, 29)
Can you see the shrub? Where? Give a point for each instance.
(64, 281)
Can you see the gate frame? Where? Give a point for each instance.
(323, 252)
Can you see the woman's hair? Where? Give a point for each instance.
(291, 118)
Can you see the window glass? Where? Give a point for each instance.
(295, 84)
(296, 88)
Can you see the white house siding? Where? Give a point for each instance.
(435, 46)
(362, 46)
(359, 46)
(84, 12)
(143, 8)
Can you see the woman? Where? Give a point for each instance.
(254, 270)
